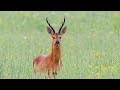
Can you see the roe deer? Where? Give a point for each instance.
(52, 62)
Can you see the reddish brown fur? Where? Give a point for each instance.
(52, 62)
(48, 63)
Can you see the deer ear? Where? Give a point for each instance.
(63, 30)
(50, 31)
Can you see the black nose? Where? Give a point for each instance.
(57, 42)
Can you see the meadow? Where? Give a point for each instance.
(90, 47)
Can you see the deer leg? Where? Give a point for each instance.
(60, 65)
(48, 74)
(54, 73)
(35, 71)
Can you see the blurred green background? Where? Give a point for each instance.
(90, 47)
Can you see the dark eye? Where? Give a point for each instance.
(53, 37)
(60, 37)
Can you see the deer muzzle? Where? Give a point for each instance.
(57, 43)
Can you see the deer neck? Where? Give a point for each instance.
(56, 53)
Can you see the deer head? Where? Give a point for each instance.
(56, 37)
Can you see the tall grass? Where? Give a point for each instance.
(90, 47)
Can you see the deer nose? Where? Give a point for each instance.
(57, 42)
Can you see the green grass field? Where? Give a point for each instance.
(90, 47)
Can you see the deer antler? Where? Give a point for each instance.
(62, 24)
(49, 24)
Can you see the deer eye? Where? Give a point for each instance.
(60, 37)
(53, 37)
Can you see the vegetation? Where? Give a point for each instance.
(90, 47)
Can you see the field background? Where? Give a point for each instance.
(90, 47)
